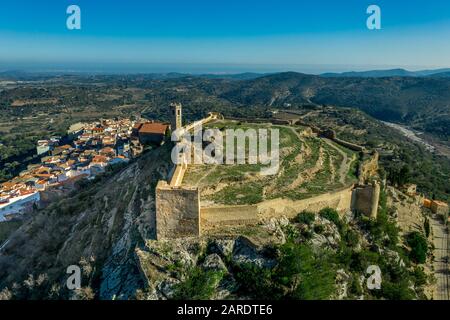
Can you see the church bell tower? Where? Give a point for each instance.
(176, 121)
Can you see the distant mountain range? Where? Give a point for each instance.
(390, 73)
(20, 75)
(441, 75)
(24, 75)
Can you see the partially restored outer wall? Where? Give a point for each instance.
(349, 145)
(339, 200)
(177, 212)
(212, 217)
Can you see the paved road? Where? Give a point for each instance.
(441, 253)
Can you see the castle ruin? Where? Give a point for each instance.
(179, 212)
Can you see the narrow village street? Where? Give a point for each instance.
(441, 266)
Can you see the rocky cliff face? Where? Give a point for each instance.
(107, 228)
(97, 228)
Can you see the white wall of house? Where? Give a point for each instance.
(79, 171)
(62, 177)
(42, 149)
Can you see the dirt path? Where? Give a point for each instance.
(345, 164)
(441, 267)
(207, 173)
(300, 114)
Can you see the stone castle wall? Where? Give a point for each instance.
(219, 216)
(177, 211)
(340, 201)
(331, 134)
(261, 120)
(349, 145)
(178, 175)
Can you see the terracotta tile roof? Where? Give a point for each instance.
(43, 170)
(107, 150)
(8, 185)
(99, 159)
(155, 127)
(26, 192)
(44, 175)
(440, 203)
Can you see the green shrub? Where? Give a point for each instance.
(351, 238)
(305, 217)
(331, 215)
(419, 247)
(256, 281)
(307, 234)
(395, 290)
(319, 229)
(419, 276)
(361, 260)
(198, 285)
(426, 227)
(355, 287)
(306, 274)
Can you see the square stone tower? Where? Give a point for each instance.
(176, 121)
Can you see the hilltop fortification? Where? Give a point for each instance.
(181, 211)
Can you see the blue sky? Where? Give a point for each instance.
(224, 35)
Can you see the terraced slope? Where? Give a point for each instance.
(308, 166)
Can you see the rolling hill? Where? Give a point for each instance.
(421, 102)
(387, 73)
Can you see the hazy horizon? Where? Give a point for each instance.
(224, 36)
(189, 68)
